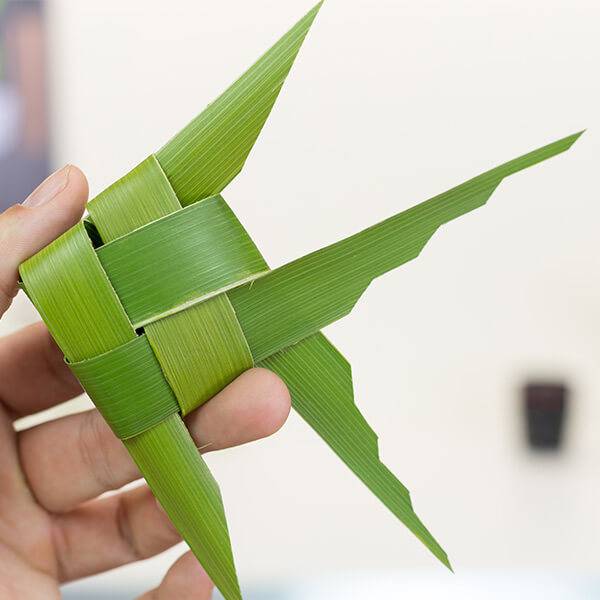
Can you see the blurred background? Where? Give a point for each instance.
(477, 364)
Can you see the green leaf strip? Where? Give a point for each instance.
(296, 300)
(201, 350)
(71, 291)
(211, 150)
(128, 387)
(141, 196)
(74, 297)
(175, 262)
(180, 479)
(160, 261)
(320, 382)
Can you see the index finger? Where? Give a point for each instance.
(34, 375)
(50, 210)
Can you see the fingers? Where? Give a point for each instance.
(110, 532)
(106, 533)
(185, 580)
(73, 459)
(34, 374)
(19, 579)
(253, 407)
(76, 458)
(50, 210)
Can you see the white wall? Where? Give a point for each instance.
(391, 102)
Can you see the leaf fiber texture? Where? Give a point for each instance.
(161, 299)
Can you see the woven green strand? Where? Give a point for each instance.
(292, 302)
(320, 382)
(141, 196)
(128, 387)
(206, 242)
(164, 265)
(74, 297)
(70, 289)
(211, 150)
(180, 479)
(210, 350)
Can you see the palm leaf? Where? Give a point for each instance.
(320, 382)
(207, 154)
(150, 302)
(296, 300)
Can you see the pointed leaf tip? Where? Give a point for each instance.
(207, 154)
(577, 135)
(571, 139)
(297, 299)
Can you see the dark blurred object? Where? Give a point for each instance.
(545, 409)
(23, 100)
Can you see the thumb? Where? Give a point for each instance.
(50, 210)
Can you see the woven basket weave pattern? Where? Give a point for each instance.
(161, 299)
(203, 250)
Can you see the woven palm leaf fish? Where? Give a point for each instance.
(161, 298)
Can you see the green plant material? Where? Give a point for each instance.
(201, 350)
(186, 489)
(73, 295)
(182, 274)
(320, 382)
(208, 244)
(141, 196)
(207, 154)
(298, 299)
(128, 387)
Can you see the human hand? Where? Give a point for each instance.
(53, 526)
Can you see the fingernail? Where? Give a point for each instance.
(49, 188)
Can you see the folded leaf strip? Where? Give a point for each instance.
(128, 386)
(179, 258)
(70, 289)
(200, 350)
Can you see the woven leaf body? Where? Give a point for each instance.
(161, 299)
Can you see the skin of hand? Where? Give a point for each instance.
(54, 528)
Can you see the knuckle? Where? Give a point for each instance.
(7, 293)
(14, 213)
(62, 549)
(125, 531)
(10, 221)
(94, 449)
(57, 367)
